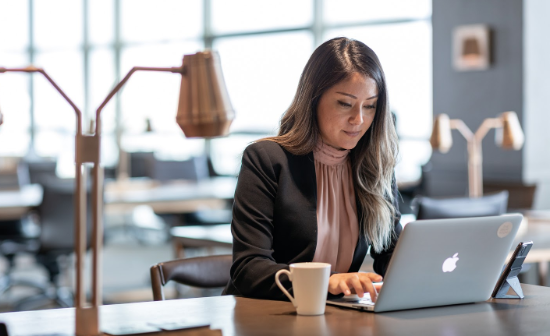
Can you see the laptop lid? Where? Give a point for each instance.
(447, 261)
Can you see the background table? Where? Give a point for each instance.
(176, 197)
(208, 236)
(15, 203)
(242, 316)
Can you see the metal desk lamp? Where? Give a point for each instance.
(204, 111)
(509, 135)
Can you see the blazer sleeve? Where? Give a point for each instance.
(382, 259)
(253, 270)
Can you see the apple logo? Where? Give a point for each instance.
(449, 264)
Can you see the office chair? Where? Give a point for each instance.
(41, 170)
(203, 272)
(141, 164)
(460, 207)
(195, 168)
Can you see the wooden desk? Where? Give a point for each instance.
(242, 316)
(15, 203)
(177, 197)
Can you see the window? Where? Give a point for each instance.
(89, 45)
(15, 100)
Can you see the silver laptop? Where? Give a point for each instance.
(443, 262)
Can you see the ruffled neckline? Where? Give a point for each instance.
(329, 155)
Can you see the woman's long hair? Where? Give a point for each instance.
(373, 159)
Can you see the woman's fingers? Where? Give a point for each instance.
(373, 277)
(344, 287)
(337, 284)
(369, 287)
(357, 285)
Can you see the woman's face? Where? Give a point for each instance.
(346, 111)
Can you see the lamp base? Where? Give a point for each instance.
(87, 321)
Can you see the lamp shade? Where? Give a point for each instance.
(510, 136)
(204, 108)
(441, 138)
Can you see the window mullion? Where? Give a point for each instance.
(86, 65)
(318, 27)
(117, 54)
(208, 37)
(32, 53)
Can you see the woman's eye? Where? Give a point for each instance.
(368, 107)
(341, 103)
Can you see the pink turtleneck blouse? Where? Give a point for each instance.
(337, 224)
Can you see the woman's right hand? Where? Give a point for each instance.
(359, 283)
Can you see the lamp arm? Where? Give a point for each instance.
(487, 125)
(32, 69)
(121, 84)
(459, 125)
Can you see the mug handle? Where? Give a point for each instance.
(282, 287)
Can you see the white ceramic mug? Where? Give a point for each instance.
(310, 284)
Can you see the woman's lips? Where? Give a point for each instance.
(352, 134)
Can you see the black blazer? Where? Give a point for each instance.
(275, 221)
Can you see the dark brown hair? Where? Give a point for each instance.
(373, 159)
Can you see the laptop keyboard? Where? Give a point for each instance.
(365, 300)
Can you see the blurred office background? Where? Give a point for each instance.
(86, 46)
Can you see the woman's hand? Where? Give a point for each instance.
(354, 282)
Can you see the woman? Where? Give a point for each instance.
(323, 189)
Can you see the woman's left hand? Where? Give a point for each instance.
(357, 282)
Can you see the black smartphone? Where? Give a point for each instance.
(513, 267)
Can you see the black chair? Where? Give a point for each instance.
(41, 170)
(433, 208)
(195, 168)
(202, 272)
(141, 164)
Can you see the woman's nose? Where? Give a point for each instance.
(356, 118)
